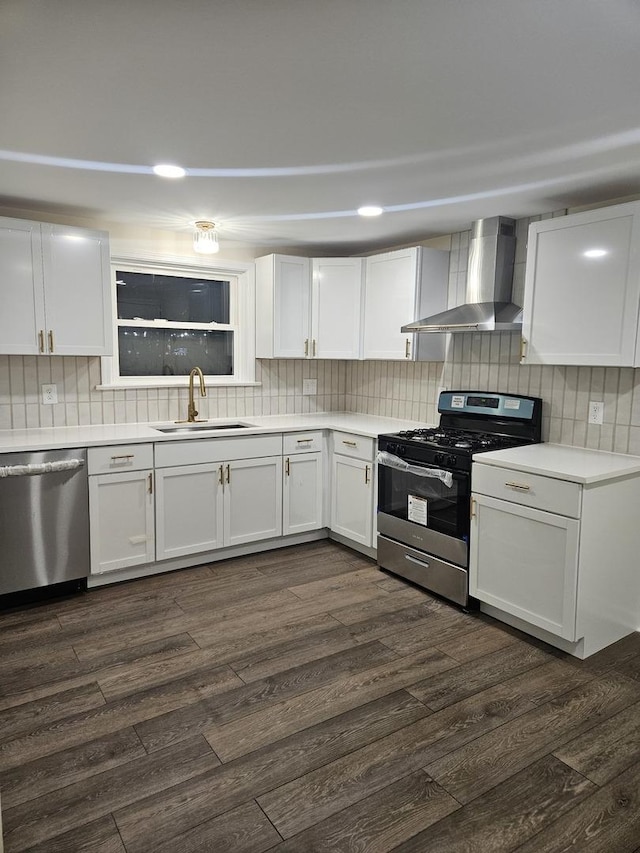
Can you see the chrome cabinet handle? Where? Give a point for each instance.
(150, 489)
(228, 473)
(124, 456)
(50, 341)
(367, 478)
(303, 440)
(286, 467)
(473, 508)
(306, 347)
(350, 443)
(221, 475)
(521, 487)
(407, 348)
(41, 341)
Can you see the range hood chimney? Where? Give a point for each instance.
(488, 306)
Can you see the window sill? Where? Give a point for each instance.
(125, 386)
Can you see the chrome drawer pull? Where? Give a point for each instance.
(303, 440)
(422, 563)
(350, 443)
(522, 487)
(125, 456)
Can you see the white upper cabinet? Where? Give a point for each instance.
(582, 288)
(300, 315)
(336, 307)
(55, 290)
(400, 287)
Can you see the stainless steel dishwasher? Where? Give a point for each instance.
(44, 519)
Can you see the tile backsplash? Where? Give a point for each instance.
(484, 362)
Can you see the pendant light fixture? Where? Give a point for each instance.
(205, 239)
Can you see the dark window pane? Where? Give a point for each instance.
(174, 352)
(146, 296)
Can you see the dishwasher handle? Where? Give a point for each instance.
(34, 469)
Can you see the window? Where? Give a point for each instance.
(170, 318)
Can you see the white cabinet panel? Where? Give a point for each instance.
(21, 287)
(253, 500)
(525, 562)
(283, 306)
(336, 307)
(400, 287)
(77, 291)
(302, 496)
(189, 510)
(54, 284)
(352, 499)
(582, 288)
(121, 520)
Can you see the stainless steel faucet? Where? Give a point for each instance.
(192, 412)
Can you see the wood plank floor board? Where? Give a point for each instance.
(606, 822)
(262, 727)
(508, 815)
(244, 829)
(101, 836)
(605, 751)
(84, 801)
(37, 778)
(37, 680)
(313, 797)
(479, 674)
(70, 731)
(176, 810)
(259, 695)
(474, 768)
(378, 823)
(280, 696)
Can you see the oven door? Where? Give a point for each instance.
(415, 507)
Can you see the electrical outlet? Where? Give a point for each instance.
(309, 386)
(49, 394)
(596, 412)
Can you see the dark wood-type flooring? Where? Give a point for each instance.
(302, 700)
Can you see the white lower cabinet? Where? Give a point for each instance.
(525, 561)
(554, 557)
(189, 510)
(352, 488)
(120, 507)
(213, 501)
(302, 493)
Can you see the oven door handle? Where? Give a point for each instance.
(390, 460)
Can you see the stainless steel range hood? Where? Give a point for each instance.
(489, 280)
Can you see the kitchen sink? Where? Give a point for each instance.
(203, 427)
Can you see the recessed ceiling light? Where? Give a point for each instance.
(370, 210)
(166, 170)
(595, 253)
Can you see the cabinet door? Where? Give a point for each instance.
(352, 499)
(21, 288)
(389, 303)
(292, 307)
(121, 520)
(582, 288)
(77, 291)
(189, 507)
(302, 494)
(252, 499)
(336, 307)
(525, 561)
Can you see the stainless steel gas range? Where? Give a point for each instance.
(424, 485)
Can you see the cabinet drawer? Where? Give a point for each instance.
(198, 450)
(350, 444)
(545, 493)
(301, 442)
(119, 457)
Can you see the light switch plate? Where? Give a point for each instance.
(309, 386)
(49, 395)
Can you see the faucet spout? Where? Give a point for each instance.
(192, 412)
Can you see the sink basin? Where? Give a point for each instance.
(202, 427)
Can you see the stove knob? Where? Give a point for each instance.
(390, 448)
(401, 450)
(439, 459)
(452, 461)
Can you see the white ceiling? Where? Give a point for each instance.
(299, 111)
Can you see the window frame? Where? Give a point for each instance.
(241, 277)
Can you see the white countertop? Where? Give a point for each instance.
(563, 462)
(22, 440)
